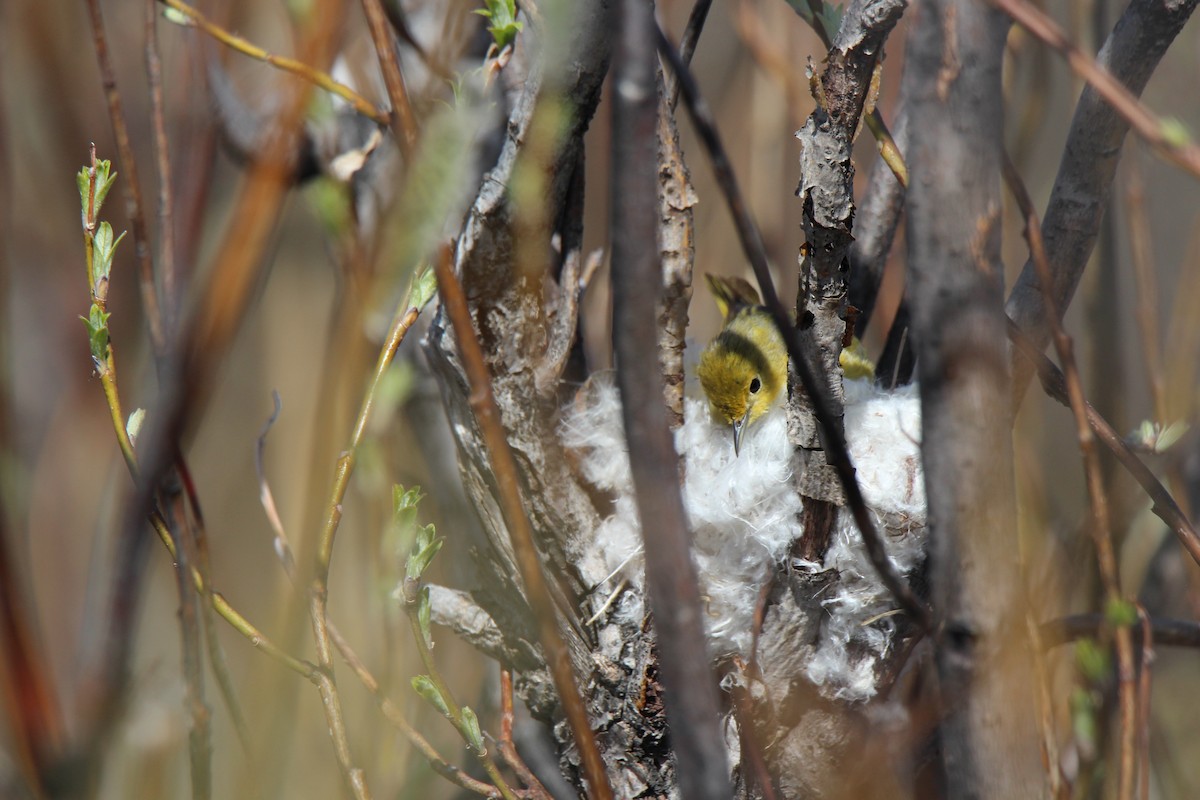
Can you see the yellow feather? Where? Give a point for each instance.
(744, 369)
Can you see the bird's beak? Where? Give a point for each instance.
(739, 427)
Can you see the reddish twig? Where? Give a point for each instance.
(1098, 524)
(1144, 710)
(132, 191)
(162, 155)
(508, 750)
(1165, 507)
(1155, 131)
(403, 121)
(483, 404)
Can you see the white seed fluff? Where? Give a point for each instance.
(745, 514)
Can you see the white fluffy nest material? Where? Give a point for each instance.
(745, 512)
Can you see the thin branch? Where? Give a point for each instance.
(1164, 632)
(200, 733)
(505, 744)
(1144, 709)
(1167, 139)
(1145, 287)
(134, 208)
(1089, 162)
(298, 68)
(690, 696)
(687, 48)
(162, 155)
(1099, 522)
(755, 250)
(403, 121)
(196, 534)
(875, 225)
(504, 468)
(396, 717)
(453, 711)
(318, 594)
(1164, 505)
(280, 543)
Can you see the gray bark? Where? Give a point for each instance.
(989, 736)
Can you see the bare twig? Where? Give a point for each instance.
(1146, 286)
(875, 225)
(1171, 143)
(403, 122)
(1164, 632)
(196, 534)
(396, 717)
(162, 155)
(296, 67)
(1144, 709)
(1164, 506)
(693, 710)
(508, 750)
(283, 548)
(752, 246)
(319, 591)
(133, 194)
(199, 735)
(483, 404)
(1045, 705)
(1090, 157)
(687, 48)
(1099, 522)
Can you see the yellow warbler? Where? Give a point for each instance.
(744, 369)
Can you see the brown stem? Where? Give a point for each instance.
(132, 191)
(483, 404)
(403, 122)
(1099, 522)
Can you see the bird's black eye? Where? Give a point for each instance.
(755, 385)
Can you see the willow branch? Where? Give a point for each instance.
(298, 68)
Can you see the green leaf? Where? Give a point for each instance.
(177, 17)
(105, 178)
(1093, 661)
(1083, 716)
(83, 181)
(1120, 613)
(404, 505)
(503, 16)
(423, 614)
(472, 732)
(105, 247)
(424, 549)
(97, 326)
(425, 687)
(424, 287)
(1175, 132)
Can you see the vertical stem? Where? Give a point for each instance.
(691, 696)
(953, 82)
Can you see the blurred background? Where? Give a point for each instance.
(315, 321)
